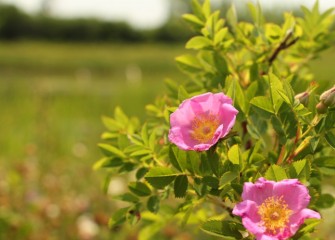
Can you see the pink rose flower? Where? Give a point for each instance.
(274, 210)
(201, 121)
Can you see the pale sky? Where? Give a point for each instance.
(138, 13)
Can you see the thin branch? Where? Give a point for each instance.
(283, 45)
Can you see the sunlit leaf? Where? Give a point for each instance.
(198, 43)
(110, 150)
(234, 155)
(275, 173)
(189, 64)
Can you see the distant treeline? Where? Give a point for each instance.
(16, 24)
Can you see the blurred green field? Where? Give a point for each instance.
(52, 97)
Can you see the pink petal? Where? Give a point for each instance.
(227, 115)
(202, 103)
(258, 191)
(250, 218)
(297, 219)
(202, 147)
(294, 193)
(181, 139)
(222, 98)
(265, 237)
(219, 99)
(183, 116)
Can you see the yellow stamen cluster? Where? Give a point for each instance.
(275, 214)
(204, 127)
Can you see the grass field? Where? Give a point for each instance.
(52, 98)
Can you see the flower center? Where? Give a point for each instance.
(203, 127)
(275, 214)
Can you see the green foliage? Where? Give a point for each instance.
(262, 66)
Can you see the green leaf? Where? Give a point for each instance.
(210, 181)
(106, 183)
(180, 186)
(279, 128)
(256, 13)
(325, 201)
(193, 20)
(204, 168)
(127, 197)
(110, 150)
(120, 116)
(219, 36)
(275, 87)
(118, 217)
(122, 141)
(287, 88)
(288, 120)
(326, 164)
(153, 204)
(220, 64)
(144, 134)
(197, 9)
(308, 226)
(111, 124)
(263, 105)
(160, 177)
(189, 63)
(140, 152)
(330, 138)
(182, 94)
(206, 8)
(109, 135)
(330, 120)
(108, 162)
(223, 229)
(236, 93)
(284, 96)
(178, 158)
(213, 160)
(232, 16)
(193, 162)
(141, 173)
(228, 177)
(152, 141)
(198, 42)
(302, 170)
(234, 155)
(139, 188)
(253, 153)
(275, 173)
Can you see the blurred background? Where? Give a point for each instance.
(63, 65)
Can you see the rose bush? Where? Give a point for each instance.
(188, 169)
